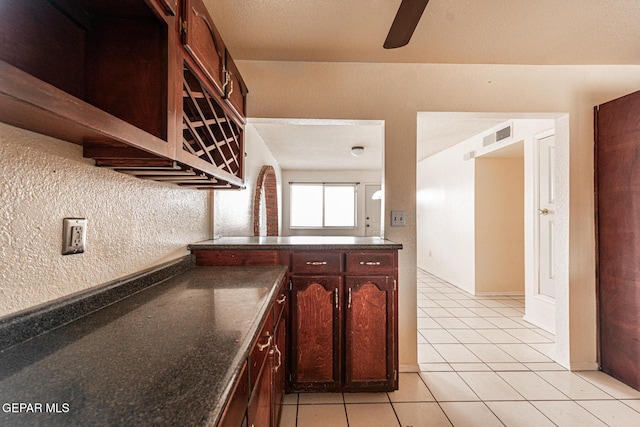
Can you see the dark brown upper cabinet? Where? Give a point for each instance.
(86, 72)
(203, 42)
(111, 77)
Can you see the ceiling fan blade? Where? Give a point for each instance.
(405, 23)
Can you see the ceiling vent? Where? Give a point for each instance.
(497, 136)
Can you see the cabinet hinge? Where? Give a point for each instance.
(183, 26)
(290, 285)
(395, 375)
(395, 285)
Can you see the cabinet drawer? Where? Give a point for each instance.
(234, 412)
(371, 262)
(260, 350)
(231, 257)
(316, 262)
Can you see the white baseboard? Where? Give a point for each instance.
(501, 293)
(409, 367)
(584, 366)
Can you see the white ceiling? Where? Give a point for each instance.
(322, 144)
(438, 131)
(450, 31)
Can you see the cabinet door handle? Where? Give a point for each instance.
(227, 79)
(316, 262)
(369, 262)
(282, 299)
(335, 297)
(231, 88)
(349, 299)
(261, 347)
(277, 350)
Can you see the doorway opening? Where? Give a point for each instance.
(480, 210)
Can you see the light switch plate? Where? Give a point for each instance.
(397, 219)
(74, 235)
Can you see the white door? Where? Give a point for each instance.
(546, 216)
(540, 298)
(372, 211)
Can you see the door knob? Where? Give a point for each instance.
(543, 211)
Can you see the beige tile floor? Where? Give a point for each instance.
(481, 365)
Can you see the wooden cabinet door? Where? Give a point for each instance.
(234, 414)
(279, 363)
(259, 410)
(315, 333)
(202, 40)
(370, 333)
(618, 237)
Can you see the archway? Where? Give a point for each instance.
(265, 199)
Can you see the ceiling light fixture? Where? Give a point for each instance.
(357, 151)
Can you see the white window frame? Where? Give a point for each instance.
(324, 185)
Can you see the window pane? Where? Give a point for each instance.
(306, 206)
(339, 206)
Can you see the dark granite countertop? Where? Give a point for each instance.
(165, 356)
(297, 243)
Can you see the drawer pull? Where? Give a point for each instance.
(261, 347)
(316, 262)
(369, 262)
(282, 299)
(277, 350)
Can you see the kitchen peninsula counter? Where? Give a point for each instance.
(296, 243)
(343, 306)
(165, 356)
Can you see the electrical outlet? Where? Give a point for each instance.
(397, 219)
(74, 235)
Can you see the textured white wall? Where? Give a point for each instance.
(234, 209)
(132, 224)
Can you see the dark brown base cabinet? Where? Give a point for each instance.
(342, 332)
(257, 396)
(343, 321)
